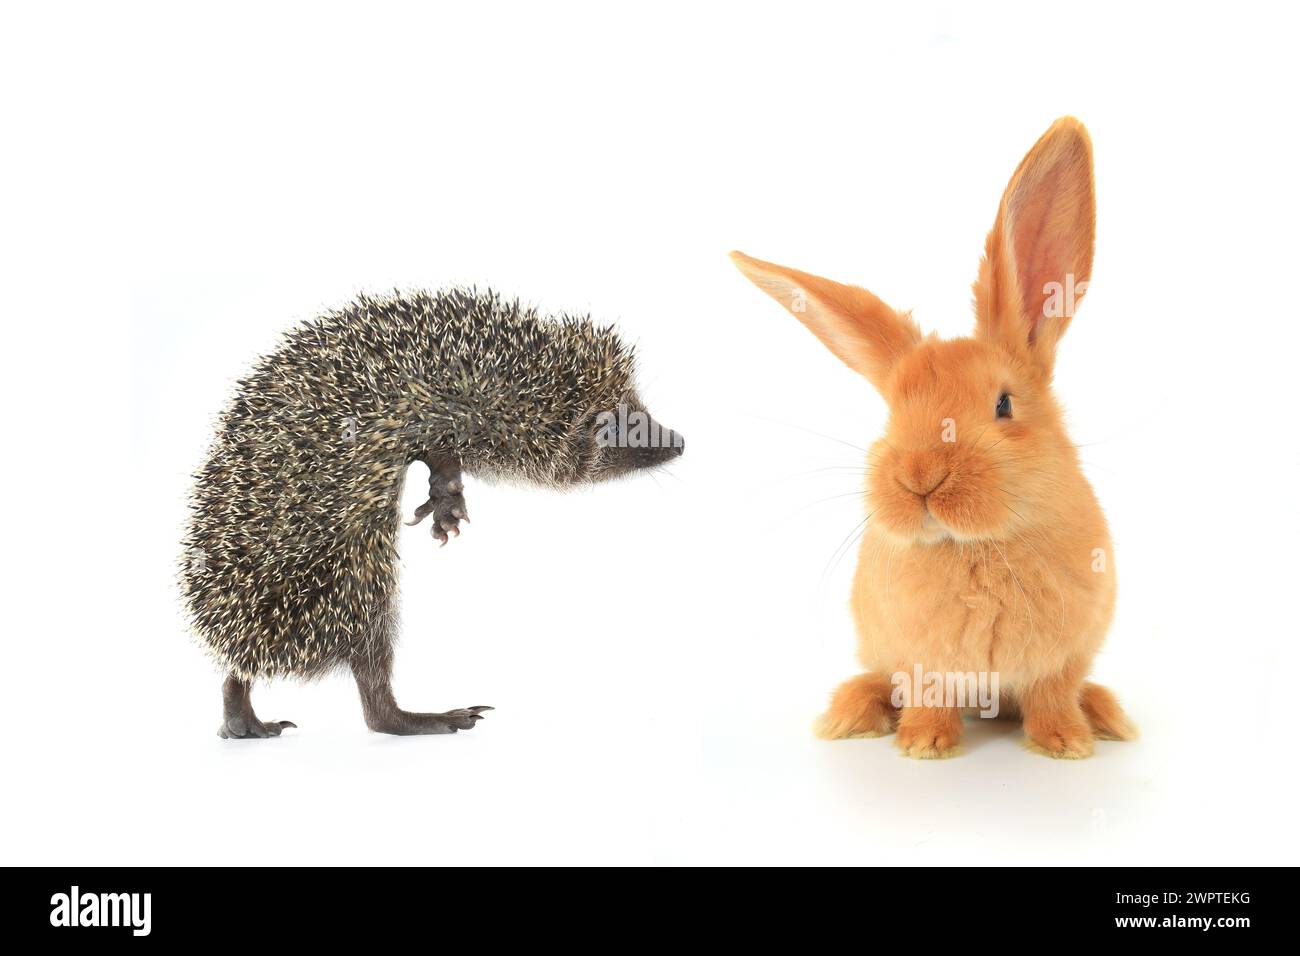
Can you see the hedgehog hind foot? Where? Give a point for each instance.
(404, 723)
(379, 707)
(446, 500)
(238, 720)
(244, 728)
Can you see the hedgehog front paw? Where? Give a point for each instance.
(448, 512)
(446, 503)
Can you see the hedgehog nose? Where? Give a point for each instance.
(679, 444)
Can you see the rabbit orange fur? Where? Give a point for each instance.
(985, 548)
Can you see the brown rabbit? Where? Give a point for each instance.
(985, 550)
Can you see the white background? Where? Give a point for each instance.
(182, 183)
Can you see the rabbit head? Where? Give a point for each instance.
(975, 447)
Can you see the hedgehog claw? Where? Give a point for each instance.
(420, 513)
(463, 718)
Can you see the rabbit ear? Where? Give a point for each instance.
(867, 335)
(1038, 256)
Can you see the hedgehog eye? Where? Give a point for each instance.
(1004, 405)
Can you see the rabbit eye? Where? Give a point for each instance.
(1004, 405)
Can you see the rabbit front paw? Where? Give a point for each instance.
(1064, 737)
(929, 733)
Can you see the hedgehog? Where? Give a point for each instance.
(289, 565)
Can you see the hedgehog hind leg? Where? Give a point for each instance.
(238, 720)
(374, 682)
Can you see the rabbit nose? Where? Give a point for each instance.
(922, 473)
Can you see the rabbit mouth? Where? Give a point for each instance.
(932, 528)
(940, 519)
(943, 499)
